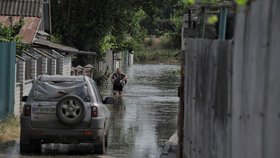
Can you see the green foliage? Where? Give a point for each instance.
(87, 24)
(189, 2)
(156, 55)
(192, 2)
(241, 2)
(100, 78)
(212, 19)
(157, 50)
(56, 38)
(10, 34)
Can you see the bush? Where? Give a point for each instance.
(99, 77)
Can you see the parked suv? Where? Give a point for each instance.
(64, 109)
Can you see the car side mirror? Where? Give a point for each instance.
(24, 98)
(108, 100)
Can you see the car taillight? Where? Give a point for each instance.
(27, 110)
(94, 111)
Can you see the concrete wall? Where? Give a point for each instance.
(110, 65)
(107, 64)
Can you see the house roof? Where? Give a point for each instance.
(60, 47)
(89, 66)
(27, 8)
(79, 67)
(53, 45)
(58, 54)
(27, 53)
(41, 53)
(20, 58)
(28, 30)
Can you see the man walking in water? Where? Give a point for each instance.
(119, 80)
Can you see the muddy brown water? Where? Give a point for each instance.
(141, 120)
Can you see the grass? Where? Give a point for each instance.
(157, 50)
(157, 56)
(9, 129)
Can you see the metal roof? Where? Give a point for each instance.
(60, 47)
(53, 45)
(29, 54)
(27, 8)
(29, 28)
(20, 58)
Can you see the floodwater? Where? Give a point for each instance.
(141, 120)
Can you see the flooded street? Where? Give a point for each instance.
(146, 116)
(141, 120)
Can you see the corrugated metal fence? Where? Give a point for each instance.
(256, 82)
(232, 91)
(7, 78)
(206, 121)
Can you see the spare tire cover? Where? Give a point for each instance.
(70, 110)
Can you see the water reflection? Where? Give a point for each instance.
(146, 115)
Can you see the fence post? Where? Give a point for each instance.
(34, 69)
(202, 22)
(44, 65)
(53, 66)
(223, 23)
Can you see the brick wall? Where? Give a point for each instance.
(17, 106)
(34, 69)
(53, 67)
(44, 65)
(67, 64)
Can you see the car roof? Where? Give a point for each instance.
(46, 78)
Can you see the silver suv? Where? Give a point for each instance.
(64, 109)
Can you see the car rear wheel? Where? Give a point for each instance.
(100, 148)
(33, 147)
(70, 110)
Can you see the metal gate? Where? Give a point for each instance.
(7, 78)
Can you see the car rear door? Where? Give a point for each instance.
(44, 108)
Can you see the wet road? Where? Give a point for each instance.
(142, 119)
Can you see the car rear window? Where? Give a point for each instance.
(51, 90)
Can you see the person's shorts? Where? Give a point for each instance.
(117, 87)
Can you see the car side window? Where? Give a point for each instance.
(96, 91)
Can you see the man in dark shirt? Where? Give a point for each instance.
(119, 80)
